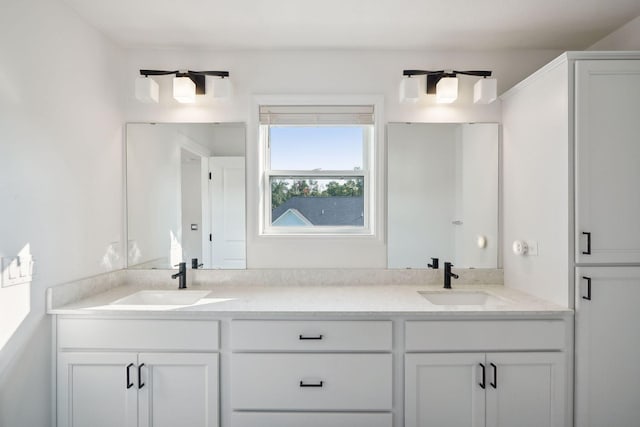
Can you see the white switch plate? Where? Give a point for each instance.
(532, 248)
(16, 270)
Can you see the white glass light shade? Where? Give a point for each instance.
(147, 89)
(410, 90)
(447, 90)
(184, 90)
(221, 88)
(485, 91)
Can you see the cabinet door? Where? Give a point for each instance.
(444, 390)
(607, 159)
(178, 389)
(92, 390)
(526, 390)
(608, 347)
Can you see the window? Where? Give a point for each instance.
(317, 169)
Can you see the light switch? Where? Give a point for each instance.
(532, 246)
(16, 270)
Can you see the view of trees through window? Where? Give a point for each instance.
(283, 189)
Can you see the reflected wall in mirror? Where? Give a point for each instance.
(442, 194)
(186, 195)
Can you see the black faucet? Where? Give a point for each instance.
(181, 275)
(434, 264)
(448, 275)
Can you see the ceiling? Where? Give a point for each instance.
(358, 24)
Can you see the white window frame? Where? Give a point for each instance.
(373, 182)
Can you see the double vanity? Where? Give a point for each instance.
(365, 348)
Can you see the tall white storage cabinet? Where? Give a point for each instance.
(572, 183)
(607, 161)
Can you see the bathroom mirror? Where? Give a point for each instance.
(442, 194)
(185, 195)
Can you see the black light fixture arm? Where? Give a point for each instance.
(188, 73)
(198, 77)
(433, 77)
(451, 73)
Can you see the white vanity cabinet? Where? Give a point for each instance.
(445, 386)
(311, 373)
(607, 103)
(114, 372)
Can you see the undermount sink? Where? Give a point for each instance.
(181, 297)
(461, 298)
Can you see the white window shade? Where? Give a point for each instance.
(316, 114)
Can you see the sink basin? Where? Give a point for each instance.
(461, 298)
(181, 297)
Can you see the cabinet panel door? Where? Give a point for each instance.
(607, 159)
(443, 390)
(608, 347)
(92, 390)
(526, 390)
(179, 390)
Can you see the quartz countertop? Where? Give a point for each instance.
(360, 299)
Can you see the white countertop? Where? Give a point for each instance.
(238, 300)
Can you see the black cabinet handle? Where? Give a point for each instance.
(494, 384)
(307, 337)
(129, 383)
(318, 384)
(588, 279)
(140, 383)
(483, 384)
(588, 251)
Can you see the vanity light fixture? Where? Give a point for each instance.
(447, 90)
(409, 90)
(186, 84)
(184, 90)
(147, 90)
(485, 91)
(444, 84)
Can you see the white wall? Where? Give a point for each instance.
(61, 128)
(626, 37)
(536, 184)
(312, 73)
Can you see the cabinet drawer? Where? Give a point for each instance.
(312, 335)
(309, 419)
(485, 335)
(340, 382)
(173, 335)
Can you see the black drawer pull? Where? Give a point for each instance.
(483, 384)
(129, 383)
(494, 384)
(588, 251)
(588, 279)
(308, 337)
(318, 384)
(140, 383)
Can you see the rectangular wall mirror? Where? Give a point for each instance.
(442, 194)
(186, 195)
